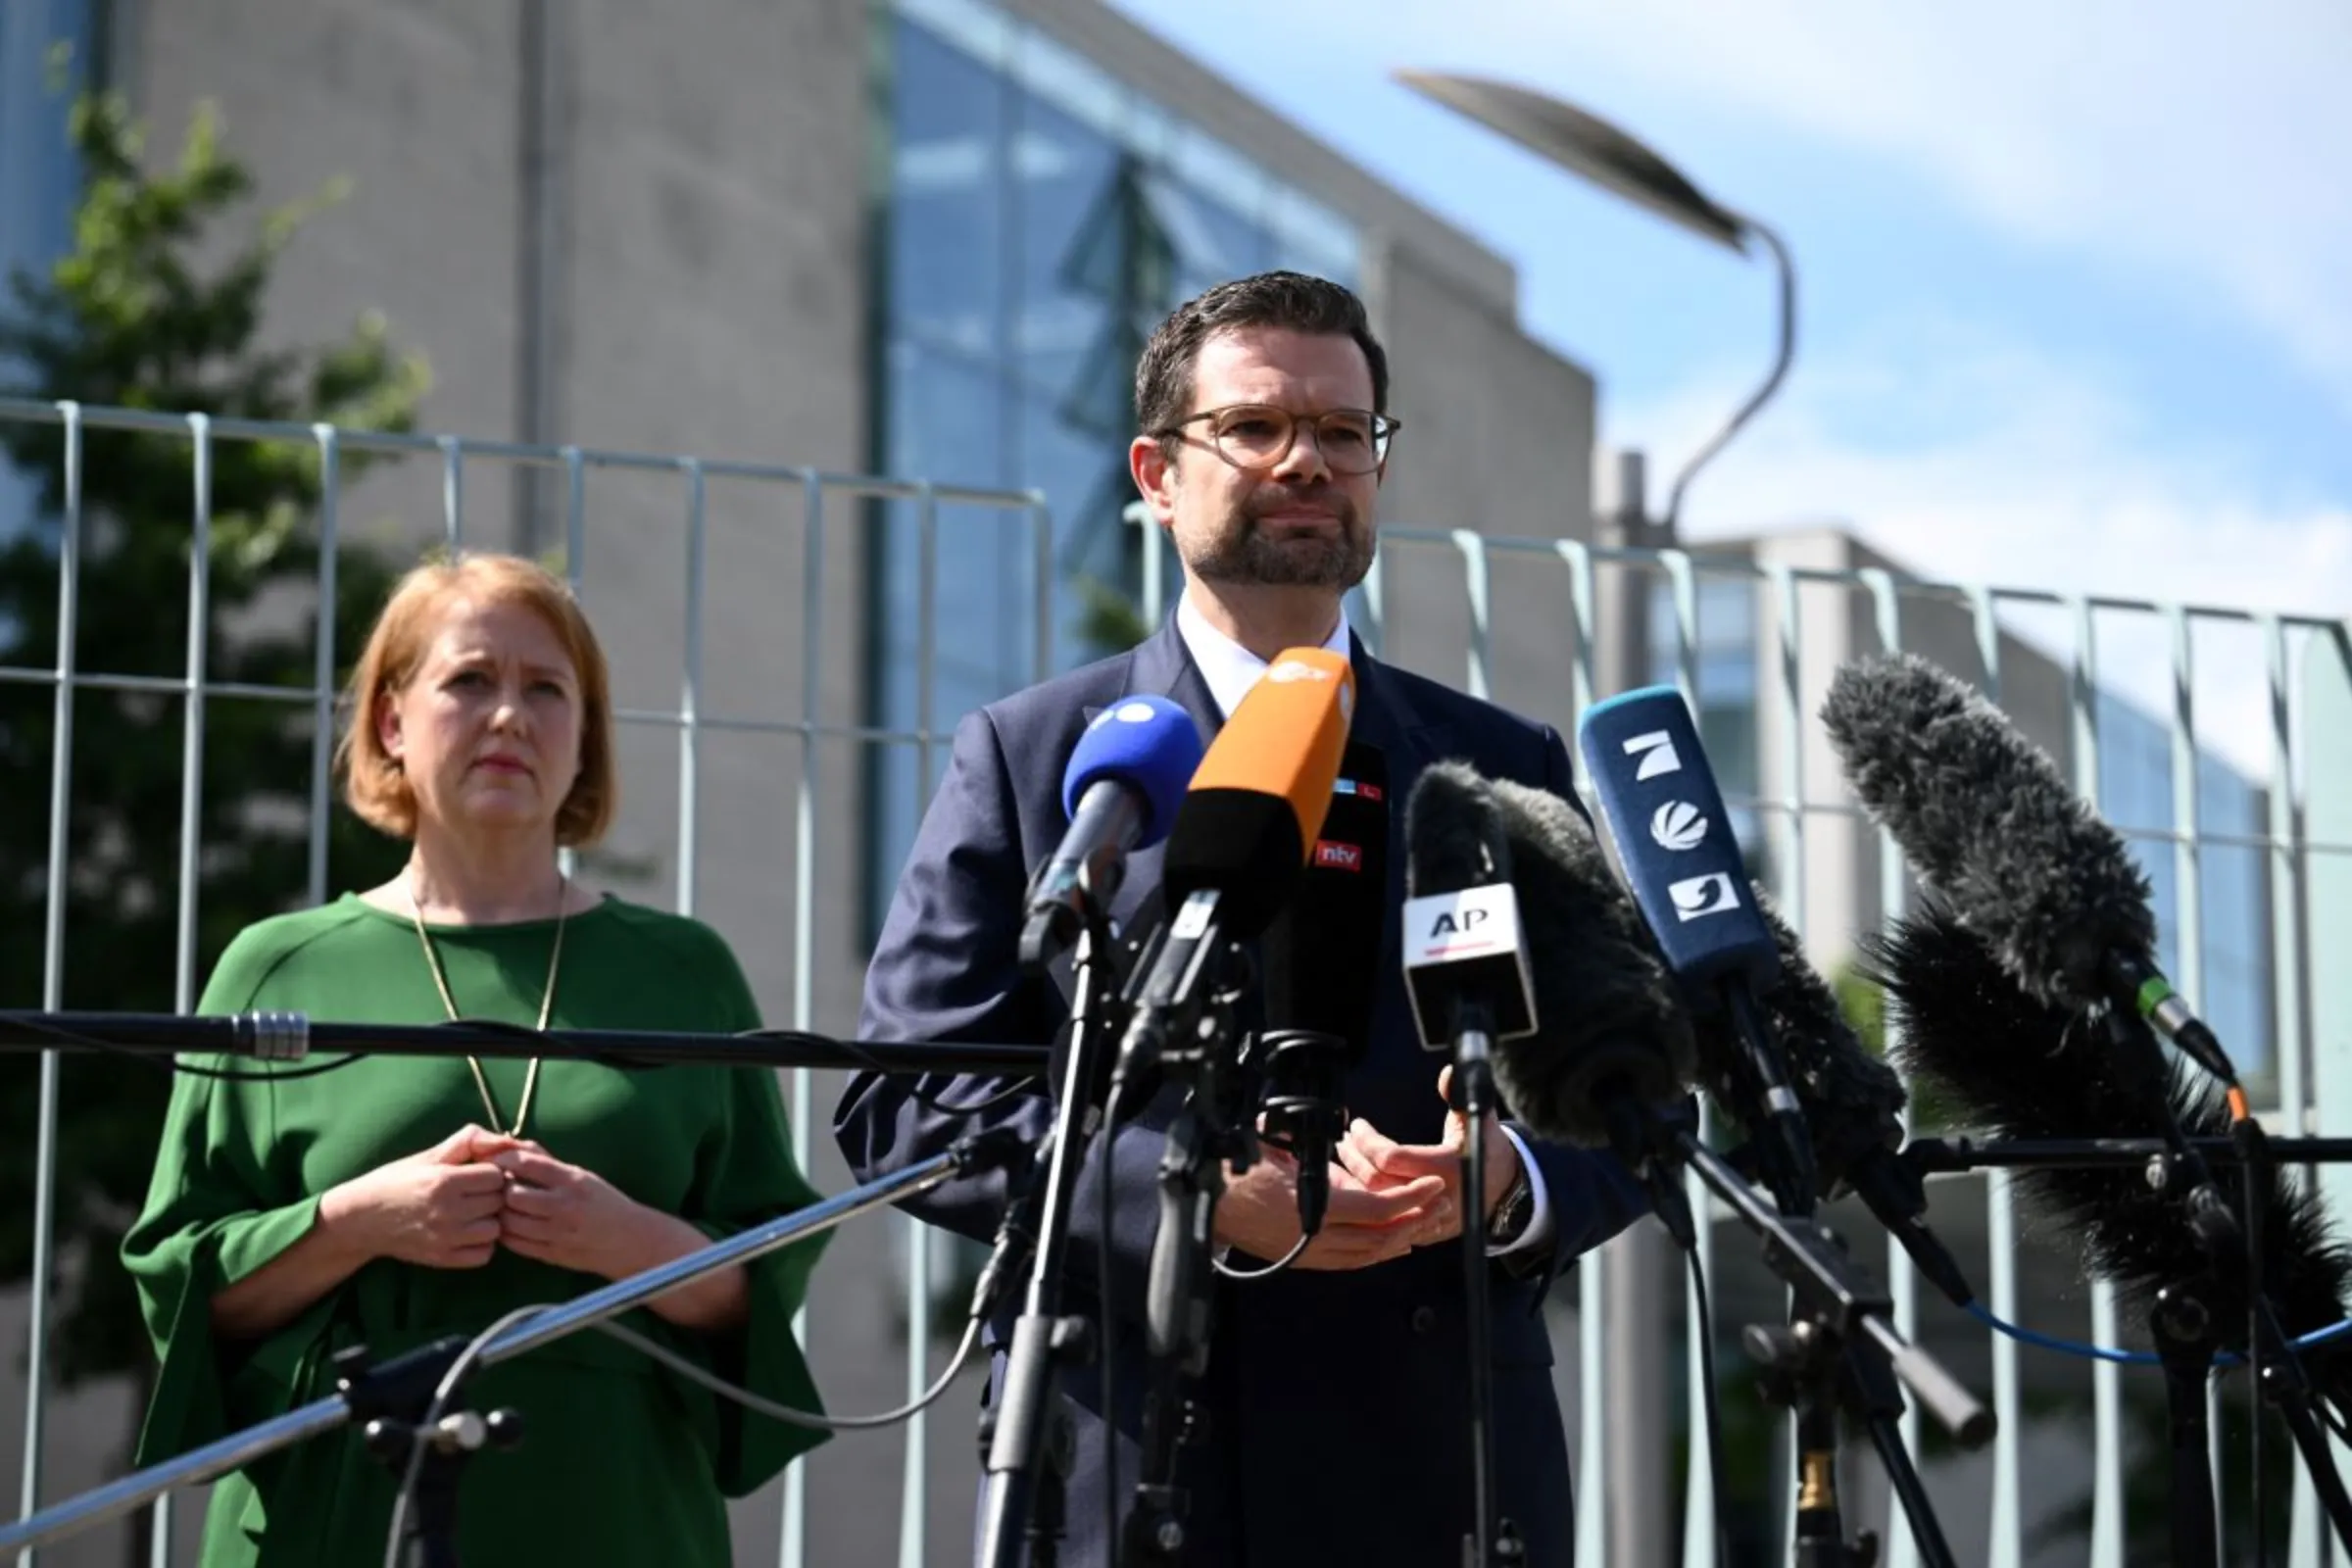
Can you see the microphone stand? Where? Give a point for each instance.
(1492, 1541)
(1799, 1376)
(390, 1398)
(2183, 1324)
(1184, 1026)
(2278, 1371)
(1025, 1498)
(293, 1036)
(1839, 1344)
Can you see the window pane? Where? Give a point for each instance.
(947, 194)
(39, 180)
(1309, 237)
(1211, 241)
(1069, 81)
(945, 425)
(978, 29)
(1075, 205)
(1097, 567)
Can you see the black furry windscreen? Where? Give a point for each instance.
(1852, 1100)
(2020, 1069)
(1990, 824)
(1604, 1008)
(1453, 832)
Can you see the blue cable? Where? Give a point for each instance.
(2100, 1352)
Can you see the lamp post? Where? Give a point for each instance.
(1640, 1272)
(1587, 145)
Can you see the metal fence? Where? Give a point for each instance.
(1520, 620)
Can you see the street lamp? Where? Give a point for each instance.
(1587, 145)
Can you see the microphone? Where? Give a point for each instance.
(1315, 960)
(1612, 1043)
(1257, 803)
(1673, 836)
(1120, 791)
(1988, 821)
(2027, 1067)
(1852, 1103)
(1240, 841)
(1465, 966)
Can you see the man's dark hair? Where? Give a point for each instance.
(1291, 301)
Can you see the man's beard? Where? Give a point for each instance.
(1242, 551)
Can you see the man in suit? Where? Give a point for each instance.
(1337, 1417)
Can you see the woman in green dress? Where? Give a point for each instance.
(402, 1199)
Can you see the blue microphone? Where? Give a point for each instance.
(1673, 839)
(1121, 790)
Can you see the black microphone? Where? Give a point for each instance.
(1612, 1044)
(1317, 977)
(1853, 1102)
(2026, 1067)
(1465, 968)
(1674, 837)
(1990, 824)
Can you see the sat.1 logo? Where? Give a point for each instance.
(1678, 825)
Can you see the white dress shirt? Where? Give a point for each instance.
(1229, 671)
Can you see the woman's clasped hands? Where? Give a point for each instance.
(454, 1205)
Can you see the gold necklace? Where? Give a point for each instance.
(547, 1002)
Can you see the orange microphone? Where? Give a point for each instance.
(1240, 845)
(1257, 801)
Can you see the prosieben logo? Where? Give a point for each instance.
(1678, 825)
(1657, 753)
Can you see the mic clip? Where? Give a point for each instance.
(1302, 1109)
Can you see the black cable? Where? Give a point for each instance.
(1286, 1260)
(1702, 1330)
(1110, 1382)
(2250, 1172)
(676, 1362)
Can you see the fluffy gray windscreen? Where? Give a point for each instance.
(1990, 825)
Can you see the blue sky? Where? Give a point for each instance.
(2076, 282)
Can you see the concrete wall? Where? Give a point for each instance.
(1497, 438)
(593, 235)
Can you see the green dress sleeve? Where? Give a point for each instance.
(746, 1176)
(210, 1218)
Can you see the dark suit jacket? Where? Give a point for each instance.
(1337, 1418)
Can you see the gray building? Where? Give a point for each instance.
(923, 238)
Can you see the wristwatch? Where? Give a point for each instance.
(1511, 1215)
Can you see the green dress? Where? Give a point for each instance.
(622, 1460)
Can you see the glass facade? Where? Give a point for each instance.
(1034, 218)
(46, 48)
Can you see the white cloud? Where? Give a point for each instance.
(2202, 142)
(2024, 473)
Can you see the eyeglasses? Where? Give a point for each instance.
(1256, 436)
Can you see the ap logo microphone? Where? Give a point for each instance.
(1678, 825)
